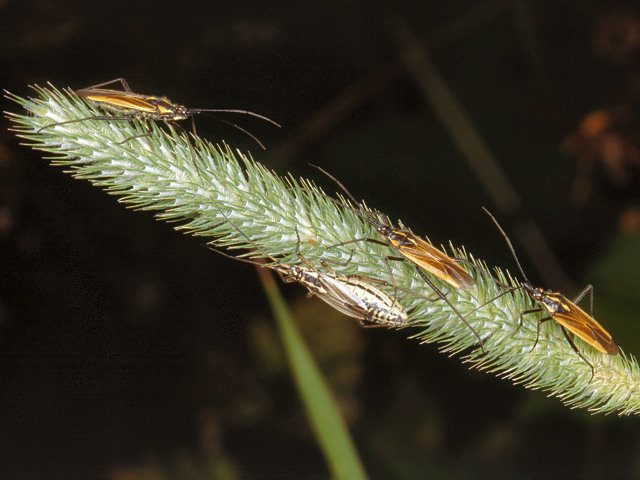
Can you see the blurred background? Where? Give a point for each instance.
(129, 351)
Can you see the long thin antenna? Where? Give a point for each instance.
(364, 212)
(506, 237)
(339, 183)
(238, 127)
(193, 111)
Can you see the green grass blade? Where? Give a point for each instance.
(325, 418)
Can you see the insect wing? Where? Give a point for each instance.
(362, 301)
(437, 263)
(341, 297)
(119, 101)
(104, 94)
(584, 326)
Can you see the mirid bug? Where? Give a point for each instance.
(127, 105)
(410, 245)
(564, 311)
(422, 253)
(352, 295)
(414, 249)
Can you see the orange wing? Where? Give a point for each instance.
(437, 263)
(108, 92)
(585, 326)
(120, 102)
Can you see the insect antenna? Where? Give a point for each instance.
(236, 126)
(338, 182)
(362, 210)
(509, 244)
(194, 111)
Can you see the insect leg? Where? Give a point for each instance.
(509, 290)
(325, 262)
(148, 134)
(542, 320)
(122, 81)
(402, 259)
(580, 296)
(363, 239)
(95, 117)
(575, 349)
(299, 254)
(187, 139)
(393, 281)
(444, 297)
(521, 323)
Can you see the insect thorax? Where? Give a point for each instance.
(306, 277)
(165, 108)
(553, 302)
(397, 238)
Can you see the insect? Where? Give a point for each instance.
(414, 249)
(564, 311)
(422, 253)
(127, 105)
(352, 295)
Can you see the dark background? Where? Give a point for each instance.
(129, 351)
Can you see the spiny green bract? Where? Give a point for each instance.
(198, 186)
